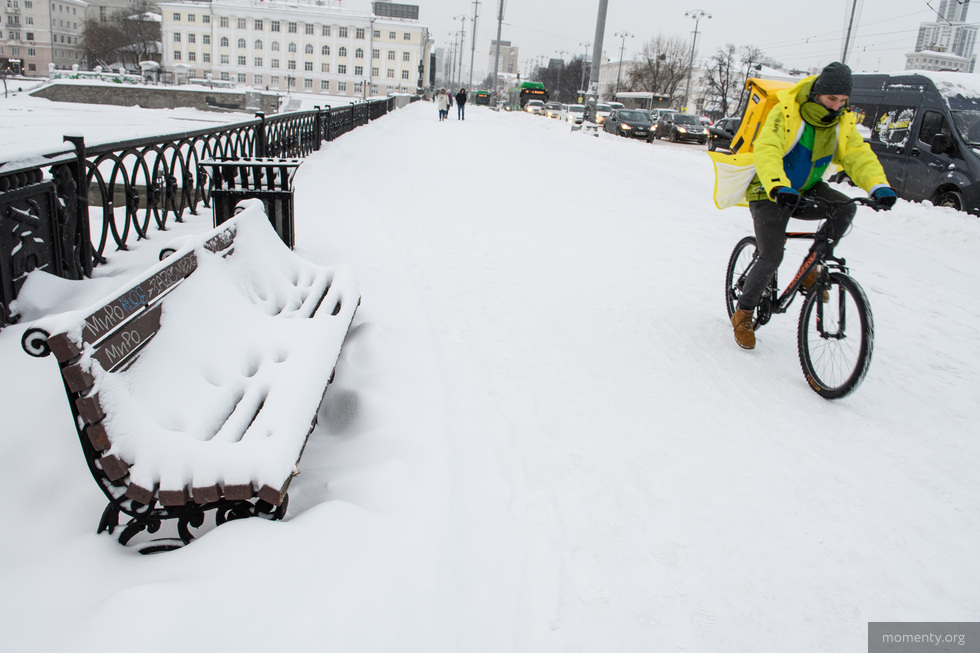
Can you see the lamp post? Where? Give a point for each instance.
(697, 15)
(585, 58)
(622, 49)
(476, 9)
(562, 54)
(459, 54)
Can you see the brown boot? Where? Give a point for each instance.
(810, 279)
(744, 334)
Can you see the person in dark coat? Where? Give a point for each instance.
(461, 104)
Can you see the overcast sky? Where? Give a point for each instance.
(884, 29)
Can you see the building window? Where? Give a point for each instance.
(359, 53)
(359, 33)
(341, 69)
(391, 55)
(258, 62)
(242, 44)
(241, 61)
(192, 38)
(324, 85)
(275, 46)
(324, 68)
(291, 64)
(374, 89)
(191, 18)
(307, 83)
(176, 37)
(258, 25)
(206, 19)
(206, 39)
(392, 35)
(325, 31)
(358, 86)
(274, 80)
(375, 53)
(274, 25)
(407, 36)
(377, 34)
(224, 42)
(406, 56)
(176, 18)
(206, 57)
(224, 59)
(223, 21)
(308, 29)
(192, 56)
(342, 87)
(291, 47)
(308, 49)
(224, 77)
(257, 45)
(241, 78)
(342, 32)
(291, 28)
(242, 23)
(325, 50)
(404, 74)
(308, 66)
(176, 55)
(359, 70)
(375, 72)
(274, 63)
(341, 51)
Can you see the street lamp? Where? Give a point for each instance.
(621, 50)
(562, 54)
(697, 15)
(585, 58)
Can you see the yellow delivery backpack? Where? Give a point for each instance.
(734, 172)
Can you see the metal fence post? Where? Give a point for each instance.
(261, 145)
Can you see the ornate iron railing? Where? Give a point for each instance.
(64, 212)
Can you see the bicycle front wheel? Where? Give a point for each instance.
(835, 336)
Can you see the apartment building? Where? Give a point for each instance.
(282, 45)
(36, 33)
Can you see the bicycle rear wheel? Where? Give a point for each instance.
(835, 337)
(742, 258)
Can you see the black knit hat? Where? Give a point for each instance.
(834, 80)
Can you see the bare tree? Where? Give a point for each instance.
(660, 67)
(723, 78)
(129, 36)
(750, 57)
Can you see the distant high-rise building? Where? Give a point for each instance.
(508, 58)
(950, 34)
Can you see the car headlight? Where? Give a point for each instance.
(626, 127)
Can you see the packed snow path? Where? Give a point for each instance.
(542, 435)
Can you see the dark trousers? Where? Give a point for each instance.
(460, 111)
(770, 233)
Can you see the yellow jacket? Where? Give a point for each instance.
(781, 132)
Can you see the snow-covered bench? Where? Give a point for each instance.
(196, 387)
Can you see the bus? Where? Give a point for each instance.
(520, 94)
(481, 97)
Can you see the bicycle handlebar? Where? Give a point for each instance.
(831, 204)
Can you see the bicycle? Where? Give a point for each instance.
(834, 352)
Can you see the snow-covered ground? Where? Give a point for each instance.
(542, 435)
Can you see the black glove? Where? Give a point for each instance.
(884, 198)
(785, 197)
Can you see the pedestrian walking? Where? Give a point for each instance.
(461, 104)
(442, 101)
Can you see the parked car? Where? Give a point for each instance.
(573, 113)
(629, 123)
(552, 110)
(655, 115)
(534, 106)
(681, 127)
(616, 105)
(721, 133)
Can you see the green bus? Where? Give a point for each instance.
(520, 94)
(481, 97)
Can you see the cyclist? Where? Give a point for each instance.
(809, 128)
